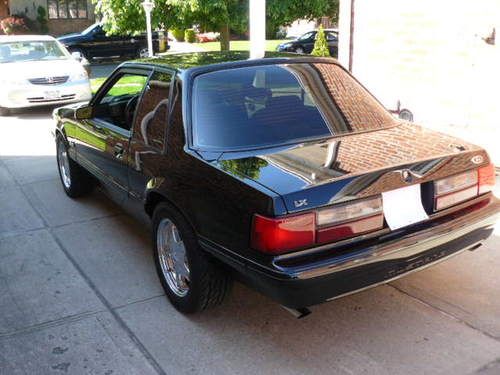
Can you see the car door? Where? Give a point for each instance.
(103, 139)
(333, 42)
(149, 133)
(309, 43)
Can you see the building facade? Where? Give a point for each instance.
(64, 16)
(439, 58)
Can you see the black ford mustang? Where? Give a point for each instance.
(283, 172)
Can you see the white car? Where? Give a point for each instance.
(37, 70)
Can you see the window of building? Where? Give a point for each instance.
(67, 9)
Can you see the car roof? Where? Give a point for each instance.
(191, 61)
(25, 38)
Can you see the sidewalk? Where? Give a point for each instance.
(182, 47)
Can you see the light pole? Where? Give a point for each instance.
(257, 13)
(148, 6)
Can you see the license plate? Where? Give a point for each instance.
(52, 95)
(403, 207)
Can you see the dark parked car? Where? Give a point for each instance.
(93, 43)
(282, 172)
(304, 44)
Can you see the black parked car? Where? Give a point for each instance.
(304, 44)
(283, 172)
(93, 43)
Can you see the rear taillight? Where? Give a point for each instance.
(281, 235)
(459, 188)
(350, 219)
(486, 178)
(276, 236)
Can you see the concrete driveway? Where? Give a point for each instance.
(79, 295)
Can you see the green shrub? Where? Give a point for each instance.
(190, 36)
(320, 45)
(42, 19)
(178, 34)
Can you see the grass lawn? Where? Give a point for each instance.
(239, 45)
(95, 83)
(236, 45)
(126, 85)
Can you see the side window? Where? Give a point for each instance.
(127, 84)
(151, 120)
(119, 102)
(331, 37)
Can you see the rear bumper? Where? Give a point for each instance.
(309, 279)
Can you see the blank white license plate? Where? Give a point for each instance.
(52, 94)
(403, 207)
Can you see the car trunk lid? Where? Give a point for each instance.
(348, 167)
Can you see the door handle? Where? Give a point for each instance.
(118, 150)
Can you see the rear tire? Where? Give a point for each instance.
(192, 280)
(76, 181)
(299, 50)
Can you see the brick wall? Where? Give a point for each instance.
(4, 8)
(59, 27)
(429, 54)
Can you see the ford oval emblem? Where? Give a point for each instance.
(478, 159)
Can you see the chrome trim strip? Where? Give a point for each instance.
(406, 247)
(407, 273)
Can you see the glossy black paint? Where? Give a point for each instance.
(219, 193)
(96, 44)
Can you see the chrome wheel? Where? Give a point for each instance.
(172, 257)
(144, 53)
(63, 162)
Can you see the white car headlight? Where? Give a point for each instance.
(4, 81)
(79, 76)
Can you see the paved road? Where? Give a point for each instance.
(79, 295)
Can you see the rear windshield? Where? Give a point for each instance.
(264, 106)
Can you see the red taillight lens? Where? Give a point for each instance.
(281, 235)
(486, 179)
(277, 236)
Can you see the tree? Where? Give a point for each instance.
(219, 15)
(320, 45)
(127, 16)
(284, 12)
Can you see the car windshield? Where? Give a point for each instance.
(270, 105)
(306, 36)
(91, 28)
(31, 51)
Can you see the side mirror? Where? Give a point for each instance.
(84, 113)
(77, 56)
